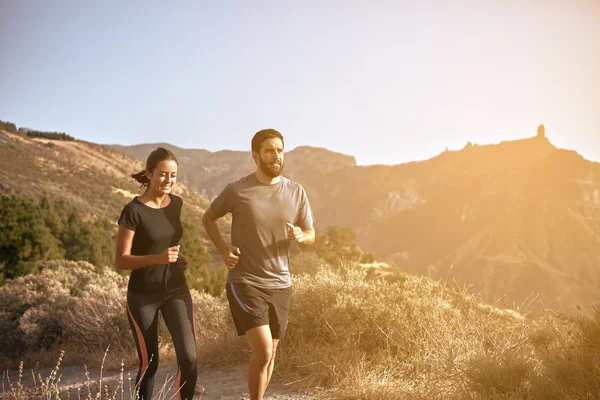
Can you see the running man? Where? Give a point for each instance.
(268, 212)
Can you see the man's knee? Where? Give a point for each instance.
(272, 356)
(274, 353)
(263, 355)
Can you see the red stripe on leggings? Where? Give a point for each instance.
(142, 344)
(177, 383)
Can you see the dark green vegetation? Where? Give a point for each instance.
(31, 232)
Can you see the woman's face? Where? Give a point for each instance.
(163, 178)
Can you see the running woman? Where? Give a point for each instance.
(147, 244)
(268, 212)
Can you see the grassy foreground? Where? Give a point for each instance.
(348, 338)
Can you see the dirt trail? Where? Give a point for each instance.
(213, 384)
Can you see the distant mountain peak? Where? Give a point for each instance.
(541, 131)
(321, 152)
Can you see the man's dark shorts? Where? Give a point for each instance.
(252, 306)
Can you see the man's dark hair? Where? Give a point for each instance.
(262, 135)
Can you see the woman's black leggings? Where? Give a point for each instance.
(178, 314)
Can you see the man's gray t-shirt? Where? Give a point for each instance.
(258, 228)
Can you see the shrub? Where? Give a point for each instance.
(82, 308)
(66, 304)
(361, 339)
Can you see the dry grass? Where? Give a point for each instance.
(99, 388)
(348, 338)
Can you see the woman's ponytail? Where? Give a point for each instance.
(141, 178)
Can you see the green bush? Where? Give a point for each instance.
(25, 239)
(31, 233)
(8, 127)
(49, 135)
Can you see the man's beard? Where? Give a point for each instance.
(272, 171)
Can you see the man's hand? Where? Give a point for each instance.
(231, 256)
(294, 233)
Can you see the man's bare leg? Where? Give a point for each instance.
(259, 371)
(272, 361)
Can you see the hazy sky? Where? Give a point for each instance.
(387, 82)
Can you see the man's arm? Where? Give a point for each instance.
(229, 254)
(309, 236)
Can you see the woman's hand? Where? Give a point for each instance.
(183, 260)
(170, 255)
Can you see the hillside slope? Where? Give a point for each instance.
(91, 177)
(513, 219)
